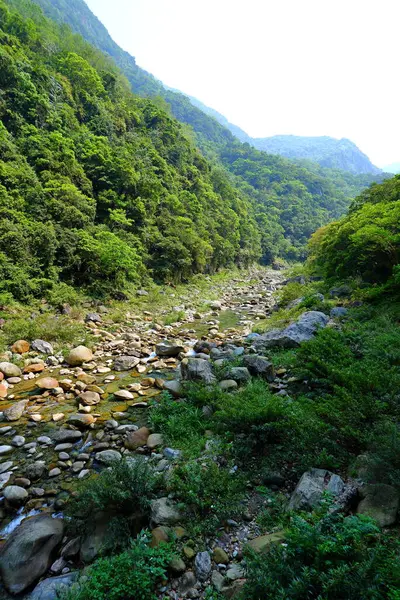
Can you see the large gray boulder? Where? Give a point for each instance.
(28, 552)
(9, 369)
(259, 366)
(165, 512)
(50, 588)
(303, 330)
(125, 363)
(197, 369)
(202, 565)
(380, 502)
(312, 485)
(168, 349)
(42, 347)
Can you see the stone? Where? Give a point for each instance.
(20, 347)
(124, 395)
(186, 582)
(42, 347)
(312, 485)
(86, 378)
(236, 571)
(15, 495)
(4, 479)
(10, 370)
(78, 356)
(28, 552)
(172, 454)
(3, 390)
(381, 502)
(341, 291)
(44, 440)
(338, 312)
(259, 366)
(154, 440)
(202, 565)
(264, 542)
(52, 587)
(6, 466)
(15, 412)
(189, 552)
(81, 421)
(54, 472)
(94, 317)
(228, 385)
(108, 457)
(66, 435)
(93, 542)
(165, 512)
(197, 369)
(89, 398)
(216, 305)
(177, 565)
(303, 330)
(217, 580)
(71, 548)
(136, 439)
(173, 387)
(57, 417)
(159, 535)
(18, 441)
(35, 471)
(47, 383)
(35, 368)
(220, 556)
(240, 374)
(167, 349)
(125, 363)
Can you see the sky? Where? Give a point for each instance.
(301, 67)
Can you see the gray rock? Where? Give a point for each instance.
(141, 293)
(5, 450)
(44, 440)
(66, 435)
(381, 502)
(217, 580)
(186, 582)
(15, 411)
(259, 366)
(28, 552)
(35, 471)
(5, 478)
(174, 387)
(94, 317)
(15, 495)
(6, 466)
(228, 385)
(10, 370)
(235, 572)
(108, 457)
(312, 485)
(165, 512)
(338, 312)
(172, 454)
(18, 441)
(295, 334)
(341, 291)
(202, 565)
(93, 542)
(197, 369)
(167, 349)
(42, 347)
(125, 363)
(240, 374)
(50, 588)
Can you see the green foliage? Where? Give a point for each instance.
(132, 575)
(383, 455)
(210, 493)
(326, 555)
(122, 494)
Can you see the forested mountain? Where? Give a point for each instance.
(292, 199)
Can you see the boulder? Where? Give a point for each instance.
(15, 411)
(264, 542)
(295, 334)
(259, 366)
(50, 588)
(93, 317)
(202, 565)
(312, 485)
(240, 374)
(125, 363)
(78, 356)
(42, 347)
(36, 470)
(93, 541)
(20, 347)
(136, 439)
(108, 457)
(28, 552)
(89, 398)
(154, 440)
(165, 512)
(5, 449)
(15, 495)
(228, 385)
(338, 312)
(167, 349)
(220, 556)
(197, 369)
(381, 502)
(173, 387)
(66, 435)
(10, 370)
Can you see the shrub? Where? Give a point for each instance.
(132, 575)
(122, 493)
(383, 458)
(327, 556)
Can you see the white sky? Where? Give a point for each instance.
(305, 67)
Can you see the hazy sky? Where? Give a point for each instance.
(305, 67)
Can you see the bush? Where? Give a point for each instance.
(132, 575)
(383, 458)
(327, 556)
(122, 493)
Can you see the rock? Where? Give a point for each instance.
(167, 349)
(338, 312)
(259, 366)
(381, 502)
(216, 305)
(173, 387)
(94, 317)
(93, 542)
(18, 441)
(20, 347)
(186, 582)
(50, 588)
(202, 565)
(136, 439)
(341, 291)
(295, 334)
(15, 412)
(312, 485)
(197, 369)
(81, 421)
(141, 293)
(124, 395)
(71, 548)
(235, 572)
(27, 554)
(35, 368)
(5, 450)
(44, 440)
(165, 512)
(108, 457)
(6, 466)
(177, 565)
(172, 454)
(89, 398)
(4, 479)
(159, 535)
(154, 440)
(78, 356)
(264, 542)
(15, 495)
(217, 580)
(47, 383)
(66, 435)
(10, 370)
(240, 374)
(228, 385)
(35, 471)
(54, 472)
(42, 347)
(125, 363)
(220, 556)
(3, 390)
